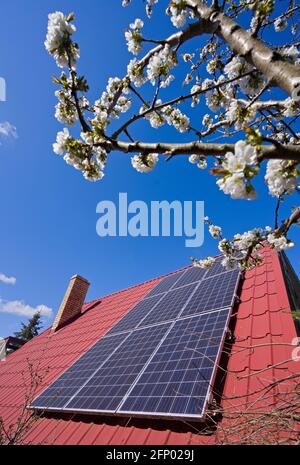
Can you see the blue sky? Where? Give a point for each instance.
(48, 211)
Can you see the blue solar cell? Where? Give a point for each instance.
(169, 307)
(165, 284)
(179, 377)
(192, 275)
(106, 389)
(57, 395)
(213, 293)
(132, 319)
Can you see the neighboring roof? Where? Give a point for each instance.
(260, 355)
(13, 342)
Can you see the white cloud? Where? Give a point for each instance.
(6, 280)
(18, 307)
(8, 130)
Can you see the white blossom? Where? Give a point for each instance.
(136, 73)
(207, 120)
(290, 108)
(149, 5)
(66, 113)
(194, 159)
(212, 66)
(196, 97)
(187, 80)
(198, 160)
(58, 40)
(229, 263)
(239, 168)
(178, 13)
(176, 118)
(250, 84)
(134, 37)
(109, 102)
(291, 52)
(144, 163)
(155, 118)
(239, 114)
(188, 57)
(280, 24)
(219, 97)
(202, 164)
(160, 65)
(206, 263)
(62, 138)
(279, 242)
(215, 231)
(281, 177)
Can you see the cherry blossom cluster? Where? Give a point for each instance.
(134, 37)
(136, 73)
(113, 101)
(175, 117)
(160, 65)
(240, 114)
(65, 110)
(171, 115)
(177, 9)
(144, 163)
(219, 97)
(281, 177)
(237, 170)
(244, 250)
(195, 95)
(205, 263)
(81, 154)
(250, 84)
(198, 160)
(58, 41)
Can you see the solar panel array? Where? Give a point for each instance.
(160, 358)
(178, 378)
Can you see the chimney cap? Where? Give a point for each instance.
(78, 276)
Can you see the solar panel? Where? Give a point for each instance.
(165, 284)
(192, 275)
(59, 392)
(169, 307)
(213, 293)
(108, 386)
(160, 359)
(178, 379)
(135, 315)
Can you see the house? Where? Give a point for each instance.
(12, 343)
(255, 384)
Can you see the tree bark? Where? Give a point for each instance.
(281, 152)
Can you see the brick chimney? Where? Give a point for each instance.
(72, 301)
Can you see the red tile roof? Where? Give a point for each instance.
(260, 355)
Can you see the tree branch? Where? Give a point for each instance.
(293, 218)
(278, 72)
(278, 151)
(193, 30)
